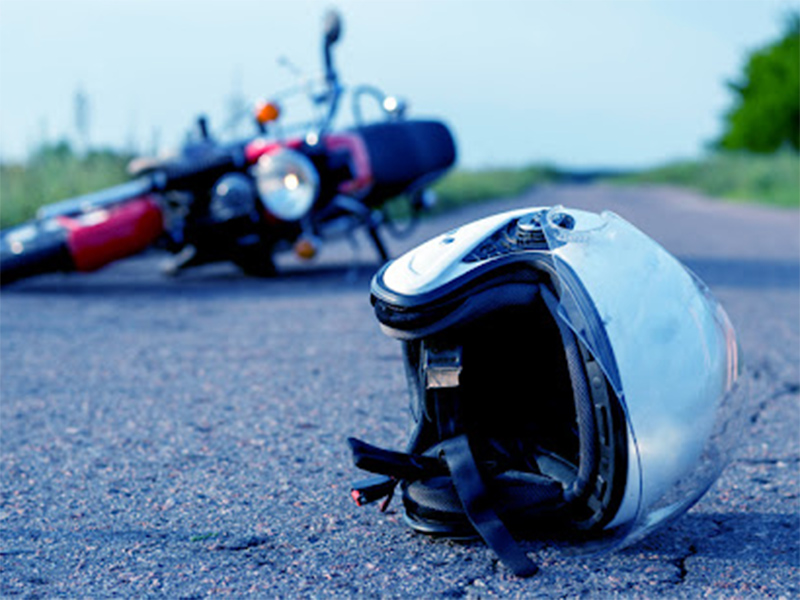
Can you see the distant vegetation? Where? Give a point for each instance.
(56, 172)
(52, 173)
(765, 116)
(772, 179)
(756, 157)
(765, 178)
(462, 187)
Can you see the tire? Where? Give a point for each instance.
(256, 260)
(33, 249)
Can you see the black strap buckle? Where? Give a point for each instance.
(394, 464)
(372, 489)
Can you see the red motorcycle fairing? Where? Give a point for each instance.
(103, 236)
(259, 147)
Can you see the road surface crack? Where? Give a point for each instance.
(680, 563)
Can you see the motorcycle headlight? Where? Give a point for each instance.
(287, 183)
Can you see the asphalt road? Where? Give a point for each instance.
(186, 438)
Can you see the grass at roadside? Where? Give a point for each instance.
(766, 179)
(461, 187)
(55, 173)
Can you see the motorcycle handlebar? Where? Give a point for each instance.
(102, 199)
(46, 253)
(173, 174)
(333, 31)
(180, 172)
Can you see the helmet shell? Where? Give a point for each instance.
(663, 342)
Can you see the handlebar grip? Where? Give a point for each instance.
(45, 252)
(187, 173)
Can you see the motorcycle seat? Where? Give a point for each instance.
(406, 154)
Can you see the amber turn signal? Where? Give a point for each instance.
(305, 248)
(267, 112)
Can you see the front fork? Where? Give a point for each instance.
(370, 219)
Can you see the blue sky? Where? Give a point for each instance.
(621, 83)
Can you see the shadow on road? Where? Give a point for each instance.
(746, 272)
(730, 536)
(203, 283)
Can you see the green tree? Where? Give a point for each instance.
(766, 112)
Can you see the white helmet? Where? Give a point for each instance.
(568, 376)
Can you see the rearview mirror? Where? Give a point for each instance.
(333, 27)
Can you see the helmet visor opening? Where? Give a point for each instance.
(516, 391)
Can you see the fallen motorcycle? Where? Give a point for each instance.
(246, 201)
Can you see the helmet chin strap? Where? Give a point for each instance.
(477, 505)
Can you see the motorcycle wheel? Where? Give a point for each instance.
(256, 261)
